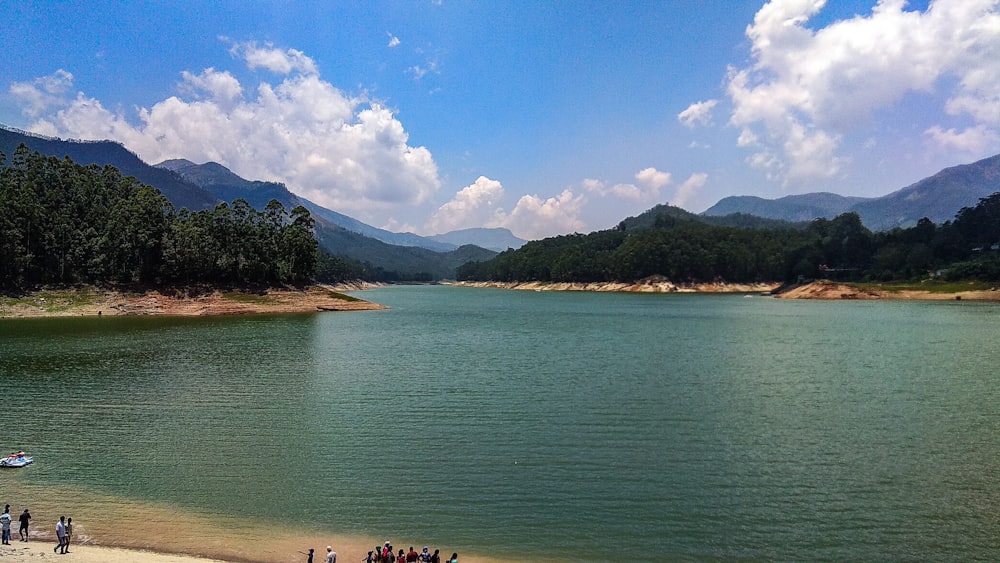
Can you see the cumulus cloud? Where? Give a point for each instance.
(269, 57)
(393, 40)
(689, 189)
(344, 152)
(476, 205)
(806, 88)
(42, 94)
(653, 179)
(646, 189)
(222, 87)
(698, 113)
(480, 204)
(534, 217)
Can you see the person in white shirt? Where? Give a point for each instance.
(5, 520)
(61, 534)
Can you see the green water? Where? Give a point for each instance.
(538, 425)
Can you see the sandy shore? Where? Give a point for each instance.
(823, 289)
(95, 302)
(19, 552)
(650, 285)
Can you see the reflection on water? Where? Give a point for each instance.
(522, 425)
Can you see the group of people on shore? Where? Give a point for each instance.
(386, 554)
(6, 519)
(64, 529)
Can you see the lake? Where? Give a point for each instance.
(530, 425)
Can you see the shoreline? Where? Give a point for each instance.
(830, 291)
(142, 531)
(18, 552)
(649, 285)
(816, 290)
(94, 302)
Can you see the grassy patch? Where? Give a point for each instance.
(53, 301)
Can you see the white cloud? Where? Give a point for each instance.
(393, 40)
(220, 86)
(649, 183)
(689, 189)
(806, 88)
(42, 94)
(418, 72)
(653, 179)
(747, 138)
(590, 185)
(476, 205)
(274, 59)
(344, 152)
(534, 217)
(973, 141)
(698, 113)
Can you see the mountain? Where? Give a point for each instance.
(408, 262)
(664, 215)
(497, 239)
(180, 193)
(792, 208)
(338, 234)
(938, 197)
(225, 184)
(196, 187)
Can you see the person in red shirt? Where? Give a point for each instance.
(412, 556)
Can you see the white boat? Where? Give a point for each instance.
(15, 462)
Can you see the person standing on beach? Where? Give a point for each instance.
(23, 530)
(5, 520)
(61, 535)
(331, 555)
(69, 533)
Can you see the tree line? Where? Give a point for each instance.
(684, 248)
(63, 224)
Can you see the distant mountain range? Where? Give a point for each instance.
(938, 198)
(180, 193)
(203, 186)
(497, 239)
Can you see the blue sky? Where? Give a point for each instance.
(543, 117)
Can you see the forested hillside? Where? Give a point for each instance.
(62, 223)
(675, 244)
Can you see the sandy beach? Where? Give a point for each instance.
(112, 529)
(232, 550)
(19, 552)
